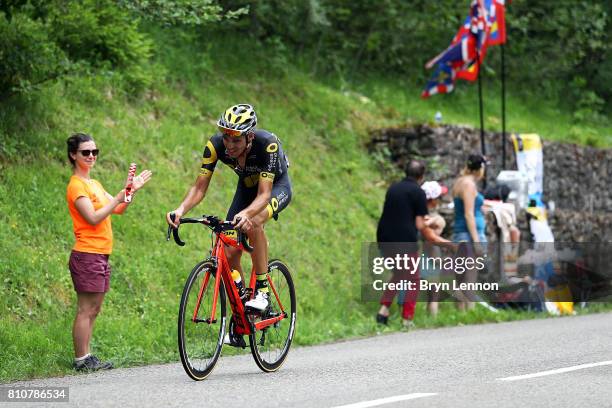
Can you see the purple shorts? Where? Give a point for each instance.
(90, 272)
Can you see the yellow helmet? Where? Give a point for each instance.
(237, 120)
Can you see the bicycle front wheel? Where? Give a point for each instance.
(270, 345)
(200, 340)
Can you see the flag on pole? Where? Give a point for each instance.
(492, 31)
(497, 21)
(484, 26)
(479, 29)
(457, 54)
(461, 50)
(462, 58)
(442, 81)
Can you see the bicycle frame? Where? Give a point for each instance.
(223, 271)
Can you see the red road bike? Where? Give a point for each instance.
(202, 313)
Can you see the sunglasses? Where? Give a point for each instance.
(230, 132)
(86, 153)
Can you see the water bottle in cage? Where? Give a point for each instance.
(238, 282)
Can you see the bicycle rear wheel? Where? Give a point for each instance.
(270, 345)
(200, 342)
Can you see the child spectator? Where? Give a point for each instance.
(433, 192)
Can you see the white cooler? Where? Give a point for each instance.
(518, 182)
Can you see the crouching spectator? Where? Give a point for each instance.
(436, 224)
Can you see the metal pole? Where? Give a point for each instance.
(482, 142)
(503, 103)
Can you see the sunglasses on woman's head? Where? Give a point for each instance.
(86, 153)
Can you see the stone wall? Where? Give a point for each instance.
(576, 178)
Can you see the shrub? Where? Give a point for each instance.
(103, 35)
(28, 57)
(43, 39)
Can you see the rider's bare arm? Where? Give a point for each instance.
(193, 197)
(195, 194)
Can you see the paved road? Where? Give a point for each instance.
(465, 366)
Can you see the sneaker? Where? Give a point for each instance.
(92, 363)
(408, 324)
(259, 302)
(234, 341)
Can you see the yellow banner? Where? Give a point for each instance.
(526, 141)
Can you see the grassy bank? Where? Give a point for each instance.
(338, 193)
(525, 112)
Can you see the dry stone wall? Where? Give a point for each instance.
(576, 178)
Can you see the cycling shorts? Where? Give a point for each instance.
(279, 199)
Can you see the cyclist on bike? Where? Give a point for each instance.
(263, 191)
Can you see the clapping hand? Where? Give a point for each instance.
(140, 180)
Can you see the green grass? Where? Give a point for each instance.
(338, 194)
(525, 112)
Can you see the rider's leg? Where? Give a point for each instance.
(259, 242)
(281, 196)
(242, 198)
(233, 257)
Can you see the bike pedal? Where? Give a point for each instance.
(261, 313)
(252, 311)
(234, 341)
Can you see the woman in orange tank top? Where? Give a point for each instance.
(90, 207)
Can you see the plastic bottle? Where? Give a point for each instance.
(238, 282)
(438, 117)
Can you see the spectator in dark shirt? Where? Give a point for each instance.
(402, 217)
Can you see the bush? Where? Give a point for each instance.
(43, 39)
(28, 57)
(103, 35)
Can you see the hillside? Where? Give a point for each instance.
(338, 193)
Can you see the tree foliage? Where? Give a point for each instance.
(554, 47)
(45, 39)
(28, 56)
(557, 49)
(181, 12)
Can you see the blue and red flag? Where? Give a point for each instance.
(484, 26)
(479, 29)
(494, 33)
(461, 50)
(468, 47)
(497, 21)
(442, 81)
(458, 54)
